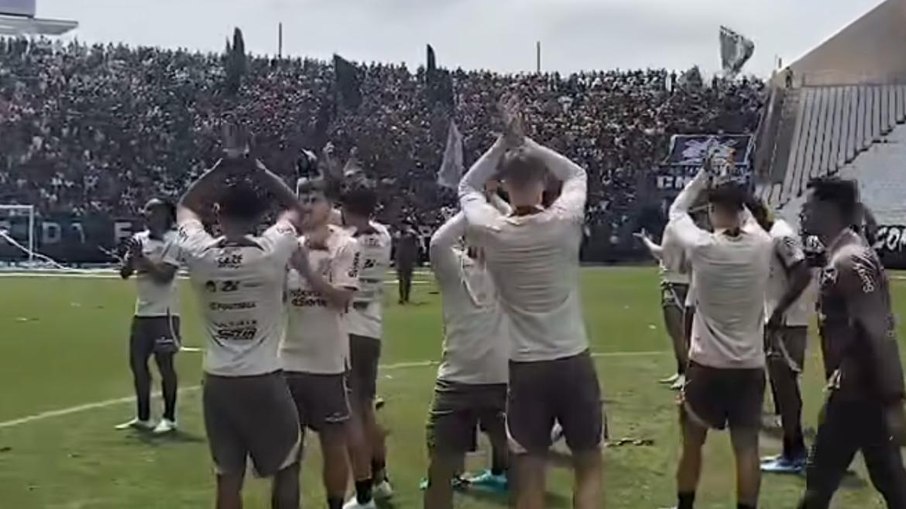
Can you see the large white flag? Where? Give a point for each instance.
(451, 168)
(735, 50)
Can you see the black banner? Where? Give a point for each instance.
(890, 244)
(691, 150)
(67, 239)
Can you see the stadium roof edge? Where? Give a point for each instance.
(23, 25)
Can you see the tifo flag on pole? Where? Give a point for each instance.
(452, 167)
(348, 82)
(735, 50)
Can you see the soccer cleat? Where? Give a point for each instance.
(383, 490)
(670, 380)
(164, 427)
(489, 481)
(458, 483)
(354, 504)
(784, 465)
(556, 433)
(137, 424)
(679, 383)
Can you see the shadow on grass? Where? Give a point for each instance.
(503, 499)
(177, 437)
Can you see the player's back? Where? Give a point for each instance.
(240, 288)
(534, 260)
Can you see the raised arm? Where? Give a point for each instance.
(285, 197)
(687, 233)
(191, 204)
(444, 261)
(478, 212)
(575, 180)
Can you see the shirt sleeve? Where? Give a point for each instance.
(687, 233)
(571, 202)
(788, 249)
(868, 301)
(282, 240)
(191, 239)
(347, 265)
(480, 214)
(444, 261)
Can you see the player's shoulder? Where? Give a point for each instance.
(342, 238)
(383, 230)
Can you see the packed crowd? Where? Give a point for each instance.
(86, 129)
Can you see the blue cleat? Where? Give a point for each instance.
(490, 482)
(782, 465)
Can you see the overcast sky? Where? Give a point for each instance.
(492, 34)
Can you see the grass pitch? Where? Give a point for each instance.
(65, 379)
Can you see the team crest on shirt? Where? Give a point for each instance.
(829, 276)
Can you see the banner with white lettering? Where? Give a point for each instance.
(68, 239)
(890, 244)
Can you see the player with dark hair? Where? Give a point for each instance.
(153, 256)
(239, 280)
(864, 407)
(315, 351)
(533, 259)
(365, 326)
(725, 378)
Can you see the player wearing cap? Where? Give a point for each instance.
(365, 325)
(533, 259)
(153, 257)
(725, 378)
(239, 279)
(472, 379)
(315, 351)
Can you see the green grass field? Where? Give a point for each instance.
(63, 344)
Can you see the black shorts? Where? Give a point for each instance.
(364, 356)
(562, 390)
(458, 410)
(321, 400)
(718, 397)
(787, 346)
(154, 335)
(251, 417)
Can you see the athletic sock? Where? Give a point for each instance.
(378, 472)
(334, 503)
(498, 465)
(363, 491)
(685, 500)
(744, 506)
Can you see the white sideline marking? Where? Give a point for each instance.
(129, 399)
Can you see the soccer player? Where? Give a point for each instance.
(788, 306)
(239, 280)
(315, 351)
(471, 382)
(864, 406)
(153, 257)
(674, 288)
(365, 326)
(725, 379)
(406, 258)
(533, 258)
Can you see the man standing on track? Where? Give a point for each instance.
(315, 351)
(406, 258)
(239, 280)
(674, 289)
(725, 378)
(153, 257)
(471, 383)
(533, 258)
(864, 407)
(789, 307)
(365, 326)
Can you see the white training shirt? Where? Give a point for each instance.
(476, 346)
(316, 338)
(533, 259)
(155, 298)
(787, 252)
(239, 287)
(366, 317)
(730, 278)
(673, 261)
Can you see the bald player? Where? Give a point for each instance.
(239, 278)
(533, 258)
(365, 323)
(315, 352)
(725, 378)
(153, 257)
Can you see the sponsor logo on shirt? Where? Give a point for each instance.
(232, 306)
(242, 330)
(229, 261)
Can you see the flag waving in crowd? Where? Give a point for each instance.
(451, 168)
(735, 50)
